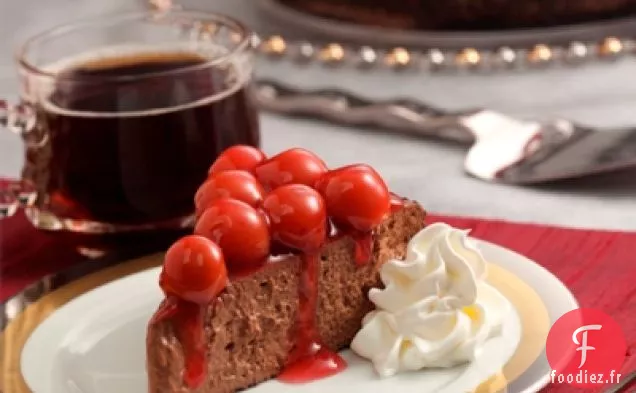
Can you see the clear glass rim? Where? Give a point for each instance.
(243, 45)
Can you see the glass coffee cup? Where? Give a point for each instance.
(122, 116)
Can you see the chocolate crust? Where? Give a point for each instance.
(249, 329)
(466, 14)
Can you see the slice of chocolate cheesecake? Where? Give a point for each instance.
(251, 328)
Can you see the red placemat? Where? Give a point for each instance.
(599, 266)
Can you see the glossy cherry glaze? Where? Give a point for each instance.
(297, 217)
(293, 166)
(193, 275)
(322, 364)
(239, 157)
(356, 197)
(357, 201)
(363, 241)
(298, 220)
(239, 185)
(310, 359)
(239, 229)
(363, 251)
(194, 270)
(187, 322)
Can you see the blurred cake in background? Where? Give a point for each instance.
(466, 14)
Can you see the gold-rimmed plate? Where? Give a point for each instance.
(73, 340)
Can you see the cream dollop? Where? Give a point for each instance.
(435, 310)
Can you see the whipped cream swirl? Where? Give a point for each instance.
(436, 310)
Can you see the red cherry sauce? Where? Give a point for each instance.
(309, 359)
(363, 242)
(363, 249)
(187, 322)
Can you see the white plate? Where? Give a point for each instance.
(96, 343)
(303, 24)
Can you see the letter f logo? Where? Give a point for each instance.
(583, 344)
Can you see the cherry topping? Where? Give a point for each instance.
(234, 184)
(321, 364)
(309, 359)
(298, 217)
(241, 157)
(239, 229)
(187, 321)
(235, 212)
(297, 166)
(194, 270)
(363, 250)
(356, 196)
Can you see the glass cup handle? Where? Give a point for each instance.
(19, 119)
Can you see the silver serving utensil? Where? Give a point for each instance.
(502, 148)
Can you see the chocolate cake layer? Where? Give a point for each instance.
(466, 14)
(250, 327)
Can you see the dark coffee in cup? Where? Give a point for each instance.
(128, 138)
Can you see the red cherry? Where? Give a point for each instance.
(297, 216)
(356, 196)
(194, 270)
(297, 166)
(233, 184)
(239, 229)
(241, 157)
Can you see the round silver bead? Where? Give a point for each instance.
(254, 40)
(365, 57)
(576, 53)
(506, 56)
(436, 59)
(306, 50)
(302, 52)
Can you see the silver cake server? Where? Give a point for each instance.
(501, 148)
